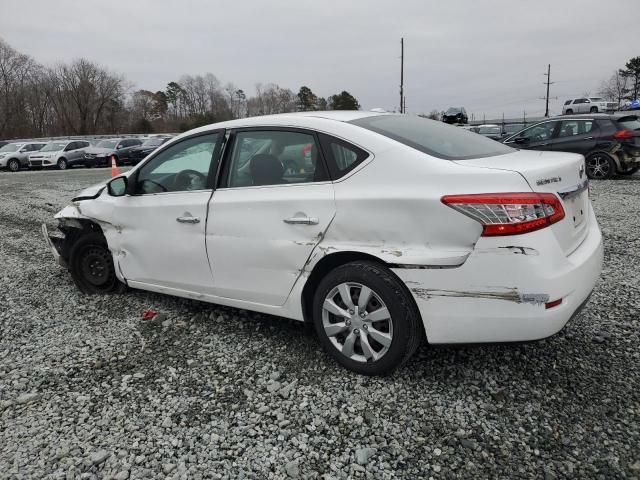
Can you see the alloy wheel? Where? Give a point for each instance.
(598, 166)
(357, 322)
(14, 165)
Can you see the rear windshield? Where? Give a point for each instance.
(434, 138)
(631, 122)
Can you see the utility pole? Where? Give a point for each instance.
(402, 75)
(548, 82)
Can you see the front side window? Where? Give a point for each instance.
(184, 166)
(539, 133)
(570, 128)
(434, 138)
(274, 157)
(71, 146)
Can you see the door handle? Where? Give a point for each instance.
(188, 219)
(589, 138)
(301, 221)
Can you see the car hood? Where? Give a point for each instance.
(99, 150)
(94, 191)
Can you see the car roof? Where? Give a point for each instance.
(290, 119)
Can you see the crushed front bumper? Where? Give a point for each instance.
(54, 243)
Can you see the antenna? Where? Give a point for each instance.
(402, 99)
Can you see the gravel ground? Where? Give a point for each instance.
(88, 390)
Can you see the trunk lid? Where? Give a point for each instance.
(556, 172)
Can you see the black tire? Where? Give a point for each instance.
(91, 266)
(600, 166)
(404, 317)
(62, 164)
(593, 110)
(630, 171)
(13, 165)
(569, 112)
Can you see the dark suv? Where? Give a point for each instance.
(455, 115)
(101, 153)
(610, 143)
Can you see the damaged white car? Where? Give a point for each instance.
(381, 229)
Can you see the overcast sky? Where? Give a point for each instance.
(486, 55)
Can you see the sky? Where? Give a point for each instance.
(489, 56)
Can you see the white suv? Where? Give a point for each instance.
(588, 105)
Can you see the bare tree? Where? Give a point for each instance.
(81, 94)
(615, 88)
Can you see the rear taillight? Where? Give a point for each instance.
(623, 134)
(508, 213)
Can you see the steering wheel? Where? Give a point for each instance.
(185, 180)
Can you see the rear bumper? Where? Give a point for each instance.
(499, 293)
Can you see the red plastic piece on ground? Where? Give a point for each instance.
(149, 314)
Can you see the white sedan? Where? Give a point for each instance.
(381, 229)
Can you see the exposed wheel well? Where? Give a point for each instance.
(73, 229)
(328, 263)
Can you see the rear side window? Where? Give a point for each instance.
(631, 122)
(434, 138)
(342, 157)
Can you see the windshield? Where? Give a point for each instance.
(154, 142)
(53, 146)
(489, 130)
(596, 99)
(434, 138)
(111, 144)
(452, 111)
(11, 147)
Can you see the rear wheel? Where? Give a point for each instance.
(600, 166)
(366, 319)
(13, 165)
(62, 164)
(91, 265)
(593, 110)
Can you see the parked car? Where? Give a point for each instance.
(632, 105)
(509, 128)
(403, 228)
(100, 155)
(588, 105)
(145, 148)
(61, 154)
(455, 115)
(610, 143)
(494, 132)
(14, 156)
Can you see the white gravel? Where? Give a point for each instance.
(88, 390)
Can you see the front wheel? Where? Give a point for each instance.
(62, 164)
(569, 112)
(600, 166)
(91, 265)
(13, 165)
(593, 110)
(366, 319)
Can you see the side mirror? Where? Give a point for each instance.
(119, 147)
(521, 140)
(117, 187)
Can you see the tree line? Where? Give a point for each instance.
(84, 98)
(623, 84)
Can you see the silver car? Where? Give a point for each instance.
(14, 156)
(61, 154)
(588, 105)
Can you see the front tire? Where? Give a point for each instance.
(91, 265)
(593, 110)
(600, 166)
(62, 164)
(569, 112)
(366, 319)
(13, 165)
